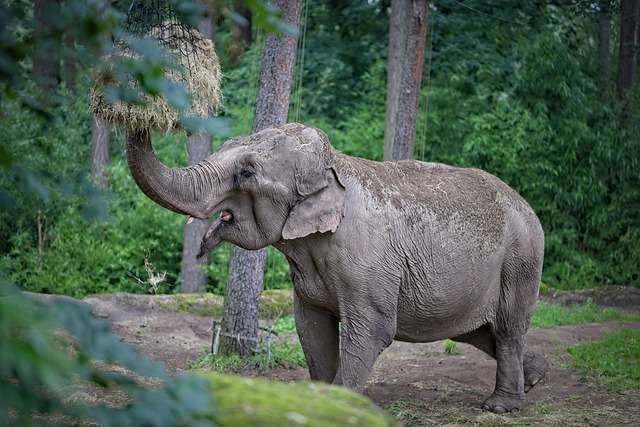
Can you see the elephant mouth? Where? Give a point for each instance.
(211, 237)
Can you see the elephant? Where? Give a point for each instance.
(378, 251)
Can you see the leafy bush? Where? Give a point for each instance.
(40, 367)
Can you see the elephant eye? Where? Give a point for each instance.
(246, 173)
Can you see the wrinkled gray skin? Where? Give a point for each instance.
(403, 250)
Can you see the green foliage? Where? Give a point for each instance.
(51, 245)
(51, 348)
(548, 315)
(615, 361)
(514, 89)
(525, 102)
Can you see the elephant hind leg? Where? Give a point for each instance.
(534, 365)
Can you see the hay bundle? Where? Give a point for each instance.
(202, 76)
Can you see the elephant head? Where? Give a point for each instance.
(272, 185)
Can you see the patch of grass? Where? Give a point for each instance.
(280, 355)
(451, 348)
(615, 361)
(548, 315)
(410, 412)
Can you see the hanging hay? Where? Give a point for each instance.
(201, 77)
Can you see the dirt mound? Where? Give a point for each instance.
(619, 297)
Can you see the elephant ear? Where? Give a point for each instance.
(320, 211)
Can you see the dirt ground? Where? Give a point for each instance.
(417, 382)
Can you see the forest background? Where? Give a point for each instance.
(524, 90)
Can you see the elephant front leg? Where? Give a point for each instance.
(320, 341)
(362, 341)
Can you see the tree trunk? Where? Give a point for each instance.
(100, 132)
(246, 268)
(100, 142)
(407, 38)
(46, 63)
(628, 56)
(194, 277)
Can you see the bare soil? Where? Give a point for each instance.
(419, 383)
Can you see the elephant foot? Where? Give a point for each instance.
(499, 404)
(535, 369)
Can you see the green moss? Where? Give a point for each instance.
(244, 401)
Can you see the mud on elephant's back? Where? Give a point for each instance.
(258, 402)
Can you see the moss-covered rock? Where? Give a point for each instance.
(244, 401)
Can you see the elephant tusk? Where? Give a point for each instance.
(190, 219)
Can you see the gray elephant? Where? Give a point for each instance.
(402, 250)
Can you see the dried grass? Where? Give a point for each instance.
(202, 77)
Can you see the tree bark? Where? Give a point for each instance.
(194, 277)
(407, 38)
(100, 142)
(628, 56)
(246, 268)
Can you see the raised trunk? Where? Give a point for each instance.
(181, 190)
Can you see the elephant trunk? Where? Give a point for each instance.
(181, 190)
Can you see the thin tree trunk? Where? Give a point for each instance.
(100, 142)
(407, 38)
(628, 56)
(246, 268)
(194, 277)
